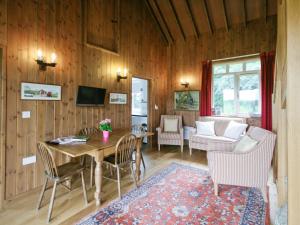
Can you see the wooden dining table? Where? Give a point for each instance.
(98, 148)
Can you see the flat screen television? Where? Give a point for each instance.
(90, 96)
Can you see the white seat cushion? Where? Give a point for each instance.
(170, 125)
(206, 128)
(170, 136)
(206, 139)
(234, 130)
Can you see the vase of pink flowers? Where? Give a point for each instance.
(105, 127)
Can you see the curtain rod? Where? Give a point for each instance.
(236, 57)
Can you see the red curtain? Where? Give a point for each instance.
(267, 80)
(205, 102)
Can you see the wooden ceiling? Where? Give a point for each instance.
(179, 19)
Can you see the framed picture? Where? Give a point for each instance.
(33, 91)
(117, 98)
(186, 100)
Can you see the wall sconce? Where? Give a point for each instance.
(41, 61)
(120, 75)
(184, 83)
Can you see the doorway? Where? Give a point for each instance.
(140, 103)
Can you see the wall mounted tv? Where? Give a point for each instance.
(90, 96)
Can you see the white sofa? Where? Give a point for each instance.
(215, 143)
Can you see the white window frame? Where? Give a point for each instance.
(237, 76)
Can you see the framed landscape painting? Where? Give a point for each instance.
(186, 100)
(117, 98)
(33, 91)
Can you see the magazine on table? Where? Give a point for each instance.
(69, 140)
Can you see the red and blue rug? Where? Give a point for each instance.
(181, 194)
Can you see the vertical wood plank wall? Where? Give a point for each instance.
(57, 26)
(187, 57)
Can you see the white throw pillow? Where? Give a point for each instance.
(170, 125)
(245, 144)
(206, 128)
(234, 130)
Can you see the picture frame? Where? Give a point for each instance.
(36, 91)
(187, 100)
(118, 98)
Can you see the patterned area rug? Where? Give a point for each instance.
(181, 194)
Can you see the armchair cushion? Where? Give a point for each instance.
(234, 130)
(205, 139)
(245, 144)
(170, 125)
(206, 128)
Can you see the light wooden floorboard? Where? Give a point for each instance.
(69, 206)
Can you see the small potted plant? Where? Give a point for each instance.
(105, 127)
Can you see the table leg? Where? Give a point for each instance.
(138, 158)
(98, 177)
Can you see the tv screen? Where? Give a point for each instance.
(90, 96)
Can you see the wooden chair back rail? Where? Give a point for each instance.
(88, 131)
(124, 149)
(48, 160)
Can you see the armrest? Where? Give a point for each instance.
(158, 129)
(192, 132)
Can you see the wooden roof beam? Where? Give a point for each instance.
(177, 19)
(204, 6)
(244, 12)
(163, 19)
(225, 15)
(157, 22)
(192, 17)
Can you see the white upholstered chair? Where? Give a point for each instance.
(249, 169)
(170, 138)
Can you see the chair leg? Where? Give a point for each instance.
(51, 202)
(119, 181)
(133, 174)
(181, 148)
(216, 189)
(158, 147)
(92, 172)
(264, 193)
(83, 188)
(191, 151)
(144, 165)
(42, 194)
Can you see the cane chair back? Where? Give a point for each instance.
(88, 131)
(48, 160)
(124, 149)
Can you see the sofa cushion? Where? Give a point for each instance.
(170, 125)
(234, 130)
(245, 144)
(206, 139)
(170, 136)
(206, 128)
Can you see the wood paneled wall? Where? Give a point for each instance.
(187, 57)
(57, 26)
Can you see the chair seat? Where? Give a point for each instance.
(69, 169)
(206, 139)
(170, 136)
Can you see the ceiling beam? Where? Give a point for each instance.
(225, 15)
(192, 17)
(204, 6)
(157, 22)
(264, 8)
(244, 12)
(173, 9)
(163, 19)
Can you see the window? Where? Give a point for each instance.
(236, 87)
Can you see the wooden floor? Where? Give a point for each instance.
(69, 206)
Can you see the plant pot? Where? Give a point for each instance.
(105, 134)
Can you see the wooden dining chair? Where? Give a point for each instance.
(122, 157)
(88, 131)
(57, 174)
(138, 129)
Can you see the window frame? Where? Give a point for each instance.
(237, 76)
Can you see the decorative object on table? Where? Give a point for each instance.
(105, 127)
(186, 100)
(117, 98)
(191, 201)
(33, 91)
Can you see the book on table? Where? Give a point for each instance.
(69, 140)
